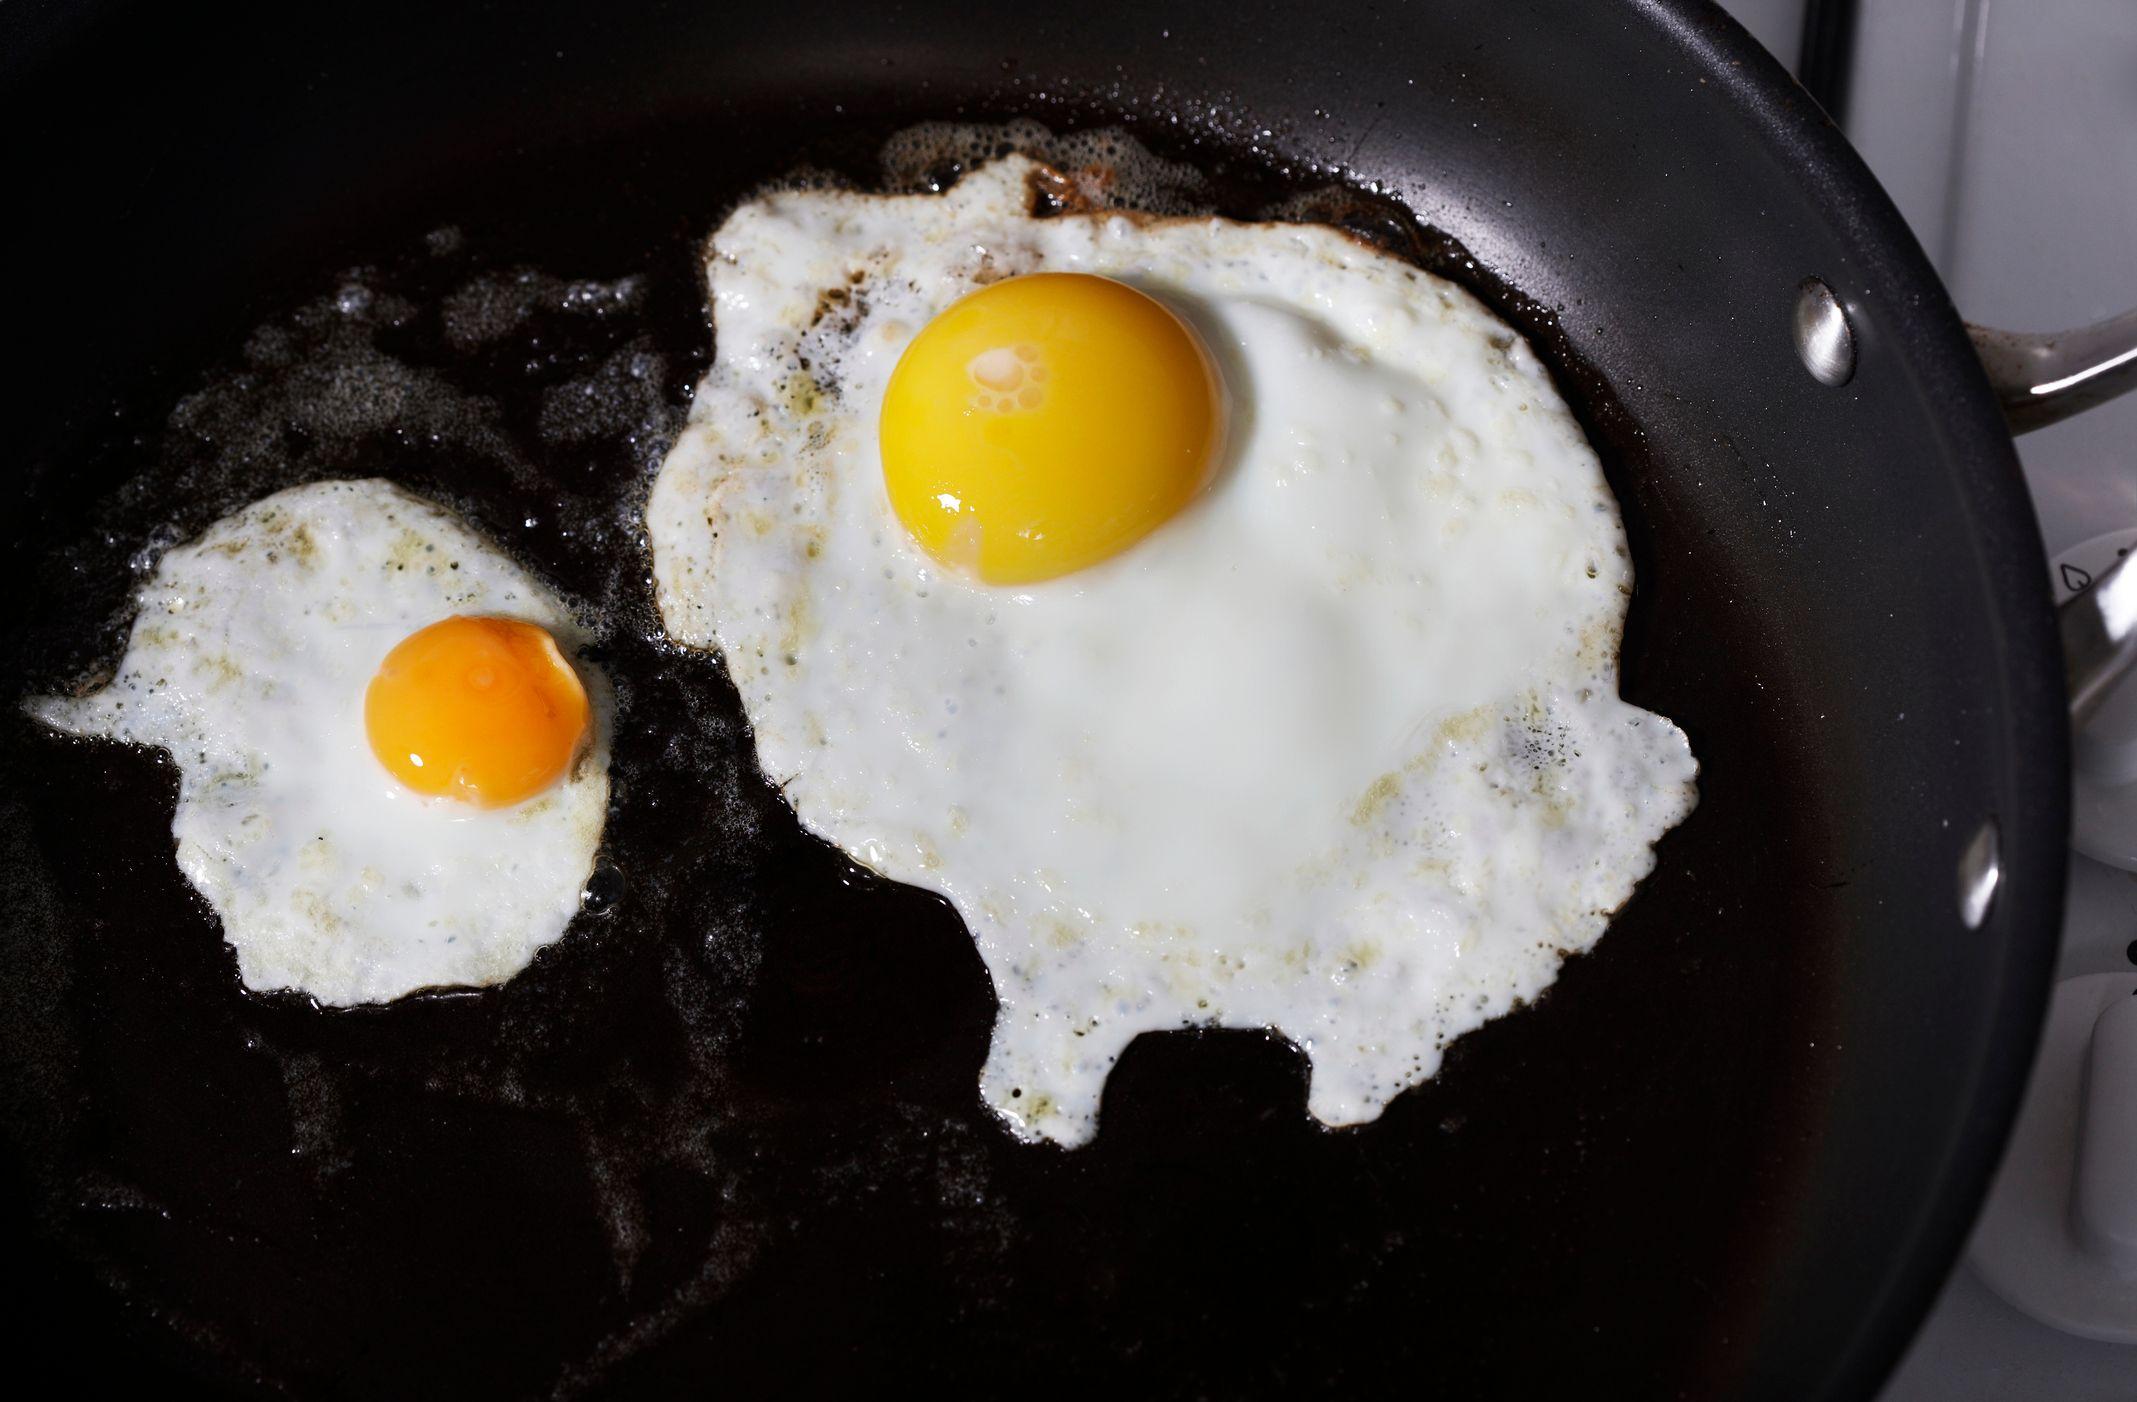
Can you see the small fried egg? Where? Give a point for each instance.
(1224, 617)
(393, 764)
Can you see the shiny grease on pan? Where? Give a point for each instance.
(713, 1086)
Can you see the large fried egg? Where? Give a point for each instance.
(1223, 616)
(393, 766)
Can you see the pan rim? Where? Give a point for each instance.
(2009, 561)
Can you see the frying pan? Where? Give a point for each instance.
(725, 1135)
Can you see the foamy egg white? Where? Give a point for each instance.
(249, 662)
(1336, 751)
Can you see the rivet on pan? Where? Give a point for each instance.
(1980, 873)
(1823, 337)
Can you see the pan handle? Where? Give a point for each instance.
(2041, 377)
(2099, 628)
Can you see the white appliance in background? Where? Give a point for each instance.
(2006, 132)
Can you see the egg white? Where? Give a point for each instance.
(248, 663)
(1338, 751)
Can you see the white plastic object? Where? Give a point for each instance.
(2103, 791)
(2104, 1211)
(2058, 1238)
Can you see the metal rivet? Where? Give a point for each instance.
(1980, 873)
(1823, 337)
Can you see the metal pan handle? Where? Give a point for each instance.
(2041, 377)
(2099, 630)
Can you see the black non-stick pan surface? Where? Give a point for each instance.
(725, 1138)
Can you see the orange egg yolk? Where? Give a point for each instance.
(1046, 422)
(485, 710)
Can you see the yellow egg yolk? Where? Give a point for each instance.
(485, 710)
(1046, 422)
